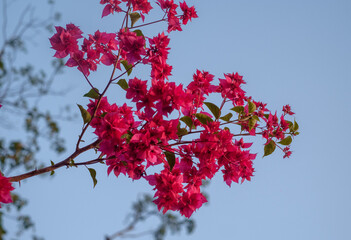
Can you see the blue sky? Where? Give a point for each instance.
(289, 52)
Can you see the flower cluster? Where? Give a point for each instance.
(112, 48)
(134, 140)
(170, 126)
(190, 148)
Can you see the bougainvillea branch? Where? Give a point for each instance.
(64, 163)
(200, 141)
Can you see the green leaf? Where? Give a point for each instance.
(134, 17)
(269, 148)
(170, 156)
(252, 107)
(238, 109)
(296, 126)
(181, 132)
(252, 123)
(286, 141)
(227, 117)
(187, 120)
(71, 163)
(227, 128)
(291, 125)
(93, 175)
(256, 117)
(139, 33)
(214, 109)
(127, 136)
(123, 84)
(52, 164)
(93, 94)
(203, 118)
(85, 114)
(128, 67)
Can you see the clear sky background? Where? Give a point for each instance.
(289, 52)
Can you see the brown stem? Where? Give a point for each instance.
(55, 166)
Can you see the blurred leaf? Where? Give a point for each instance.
(2, 65)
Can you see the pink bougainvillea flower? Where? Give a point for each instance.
(132, 45)
(111, 7)
(188, 12)
(65, 40)
(137, 89)
(5, 190)
(140, 5)
(84, 65)
(190, 201)
(287, 110)
(168, 186)
(287, 152)
(230, 88)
